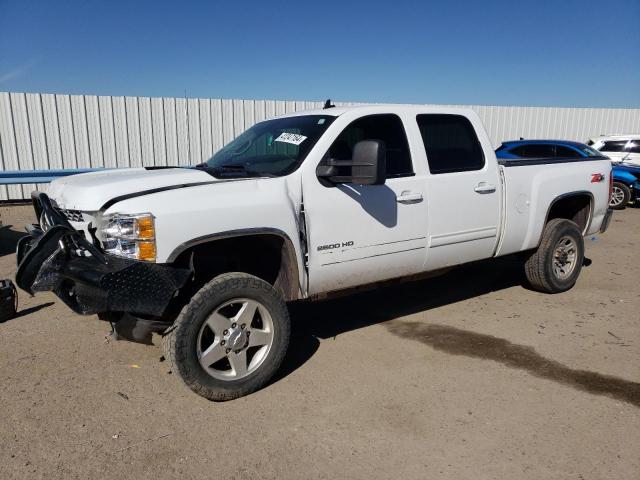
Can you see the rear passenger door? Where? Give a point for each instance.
(463, 191)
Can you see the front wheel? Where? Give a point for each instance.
(554, 267)
(231, 338)
(620, 196)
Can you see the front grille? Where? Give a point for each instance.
(71, 215)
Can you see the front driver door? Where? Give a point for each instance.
(360, 234)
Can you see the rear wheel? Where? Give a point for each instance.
(620, 196)
(231, 337)
(555, 266)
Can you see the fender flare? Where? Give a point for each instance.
(573, 194)
(288, 281)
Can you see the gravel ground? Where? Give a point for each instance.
(469, 375)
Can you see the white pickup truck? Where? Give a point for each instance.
(296, 208)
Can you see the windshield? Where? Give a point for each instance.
(272, 148)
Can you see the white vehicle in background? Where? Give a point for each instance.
(296, 208)
(619, 148)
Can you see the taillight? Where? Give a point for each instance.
(610, 184)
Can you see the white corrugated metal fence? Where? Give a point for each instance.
(46, 131)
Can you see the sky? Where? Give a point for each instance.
(533, 52)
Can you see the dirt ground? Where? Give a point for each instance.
(469, 375)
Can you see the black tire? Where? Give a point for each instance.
(8, 300)
(539, 267)
(626, 196)
(180, 343)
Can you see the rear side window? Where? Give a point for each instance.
(634, 146)
(387, 128)
(565, 152)
(540, 150)
(451, 143)
(617, 146)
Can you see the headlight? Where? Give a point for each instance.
(130, 236)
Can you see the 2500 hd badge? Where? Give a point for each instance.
(332, 246)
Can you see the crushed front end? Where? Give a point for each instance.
(56, 257)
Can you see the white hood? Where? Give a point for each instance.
(90, 191)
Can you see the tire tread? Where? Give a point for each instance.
(536, 266)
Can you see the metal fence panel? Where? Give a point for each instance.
(120, 131)
(171, 132)
(45, 131)
(157, 132)
(92, 111)
(8, 143)
(107, 132)
(146, 133)
(23, 136)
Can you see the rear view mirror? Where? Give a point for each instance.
(367, 167)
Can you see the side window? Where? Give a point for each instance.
(387, 128)
(565, 152)
(451, 143)
(540, 150)
(634, 146)
(520, 151)
(617, 146)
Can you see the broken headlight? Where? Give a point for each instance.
(130, 236)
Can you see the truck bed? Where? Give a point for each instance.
(532, 184)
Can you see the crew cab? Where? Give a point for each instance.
(296, 208)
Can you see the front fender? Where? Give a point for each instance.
(624, 177)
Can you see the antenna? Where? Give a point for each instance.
(328, 104)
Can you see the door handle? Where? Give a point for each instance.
(484, 187)
(409, 197)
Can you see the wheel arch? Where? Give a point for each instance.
(575, 206)
(267, 253)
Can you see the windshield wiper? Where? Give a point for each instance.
(224, 170)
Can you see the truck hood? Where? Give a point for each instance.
(91, 191)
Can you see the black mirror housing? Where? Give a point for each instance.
(369, 163)
(367, 167)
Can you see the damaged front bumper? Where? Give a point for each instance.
(56, 257)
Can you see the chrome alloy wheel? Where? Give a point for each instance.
(617, 197)
(235, 340)
(565, 257)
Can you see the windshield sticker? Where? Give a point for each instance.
(292, 138)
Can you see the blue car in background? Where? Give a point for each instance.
(626, 177)
(626, 185)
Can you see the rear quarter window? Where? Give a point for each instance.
(566, 152)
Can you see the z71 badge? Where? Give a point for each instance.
(333, 246)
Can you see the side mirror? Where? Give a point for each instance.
(367, 167)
